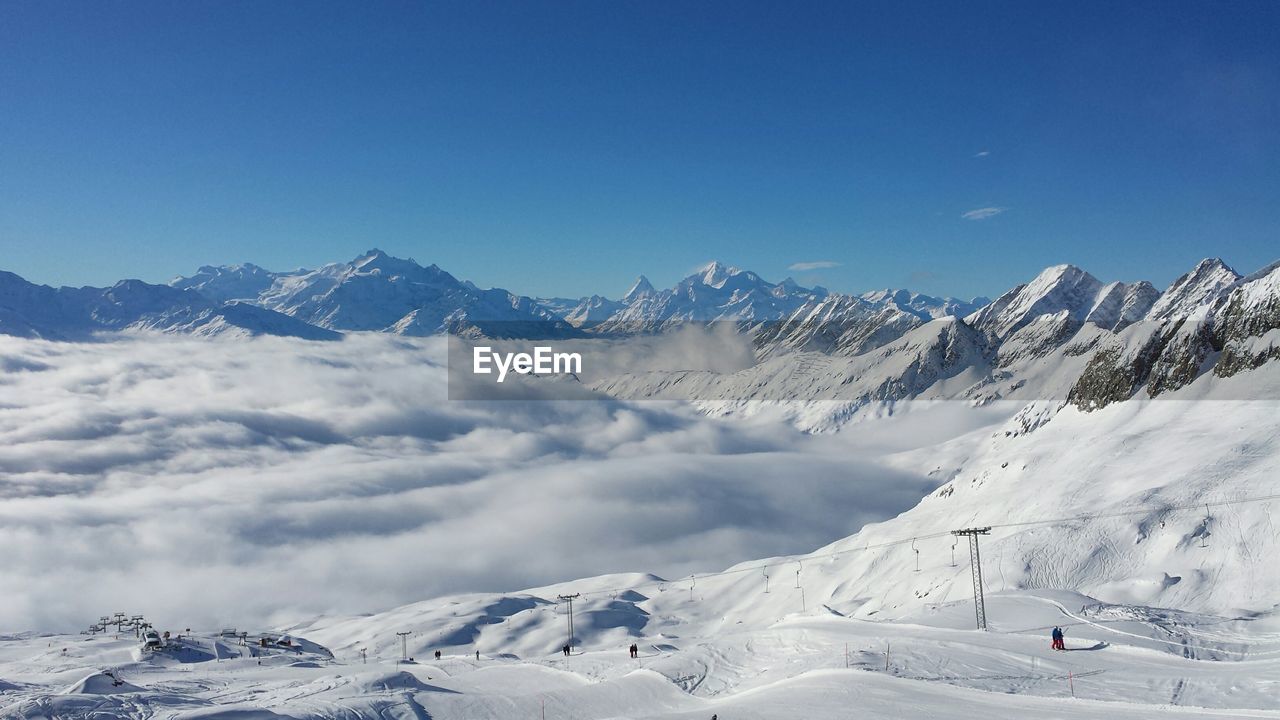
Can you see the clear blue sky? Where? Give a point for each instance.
(566, 147)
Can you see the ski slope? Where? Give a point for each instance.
(1120, 663)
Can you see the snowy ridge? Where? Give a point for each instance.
(1194, 291)
(1064, 336)
(29, 310)
(378, 292)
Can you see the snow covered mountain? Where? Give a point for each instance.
(1069, 290)
(378, 292)
(243, 282)
(30, 310)
(715, 293)
(1210, 324)
(584, 313)
(381, 293)
(1063, 336)
(1062, 312)
(925, 307)
(1194, 291)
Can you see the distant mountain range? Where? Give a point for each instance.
(376, 292)
(30, 310)
(1064, 336)
(1064, 332)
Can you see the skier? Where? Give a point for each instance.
(437, 654)
(635, 651)
(477, 655)
(565, 649)
(1057, 639)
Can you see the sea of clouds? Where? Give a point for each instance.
(210, 482)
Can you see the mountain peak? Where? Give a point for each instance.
(715, 273)
(1191, 293)
(641, 288)
(378, 261)
(1055, 289)
(1212, 265)
(1064, 271)
(371, 256)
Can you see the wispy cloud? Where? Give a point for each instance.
(815, 265)
(982, 153)
(982, 213)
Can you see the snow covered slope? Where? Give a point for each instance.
(1158, 462)
(1100, 523)
(811, 665)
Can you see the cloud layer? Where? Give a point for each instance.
(210, 482)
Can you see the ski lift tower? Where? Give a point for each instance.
(975, 565)
(569, 599)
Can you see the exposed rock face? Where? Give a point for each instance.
(1210, 319)
(1247, 323)
(1186, 348)
(1111, 376)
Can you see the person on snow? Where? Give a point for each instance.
(437, 654)
(1057, 639)
(635, 651)
(565, 649)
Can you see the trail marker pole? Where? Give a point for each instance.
(1071, 682)
(569, 599)
(975, 565)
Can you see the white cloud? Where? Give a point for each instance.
(982, 153)
(815, 265)
(982, 213)
(242, 482)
